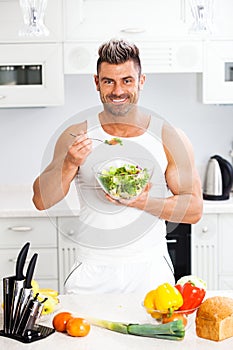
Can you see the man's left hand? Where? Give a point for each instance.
(139, 202)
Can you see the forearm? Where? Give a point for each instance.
(183, 208)
(53, 185)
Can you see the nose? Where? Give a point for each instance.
(117, 89)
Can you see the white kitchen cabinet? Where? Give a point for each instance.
(222, 18)
(205, 250)
(217, 79)
(67, 251)
(225, 251)
(212, 242)
(11, 21)
(160, 29)
(31, 75)
(132, 19)
(42, 235)
(166, 56)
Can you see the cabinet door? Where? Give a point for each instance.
(67, 251)
(225, 249)
(132, 19)
(222, 18)
(11, 21)
(205, 250)
(42, 235)
(46, 265)
(40, 232)
(156, 56)
(217, 84)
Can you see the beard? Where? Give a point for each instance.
(118, 109)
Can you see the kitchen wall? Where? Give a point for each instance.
(25, 133)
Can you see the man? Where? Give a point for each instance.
(121, 244)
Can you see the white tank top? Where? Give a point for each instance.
(107, 232)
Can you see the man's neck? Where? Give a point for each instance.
(124, 126)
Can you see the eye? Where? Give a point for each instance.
(128, 81)
(107, 81)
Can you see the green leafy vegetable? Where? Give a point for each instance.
(125, 182)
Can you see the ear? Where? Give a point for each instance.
(96, 79)
(142, 80)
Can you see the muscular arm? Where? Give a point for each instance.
(185, 204)
(54, 182)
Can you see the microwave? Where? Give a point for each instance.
(31, 75)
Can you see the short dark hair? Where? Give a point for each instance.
(118, 51)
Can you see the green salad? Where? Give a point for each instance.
(125, 182)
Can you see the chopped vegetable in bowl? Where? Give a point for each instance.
(126, 181)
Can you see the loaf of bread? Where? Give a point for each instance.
(214, 318)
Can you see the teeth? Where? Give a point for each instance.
(118, 101)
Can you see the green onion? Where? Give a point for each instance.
(171, 331)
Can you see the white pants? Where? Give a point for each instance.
(131, 277)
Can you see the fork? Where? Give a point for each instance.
(89, 138)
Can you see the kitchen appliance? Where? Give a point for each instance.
(218, 179)
(179, 247)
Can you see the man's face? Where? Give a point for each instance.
(119, 86)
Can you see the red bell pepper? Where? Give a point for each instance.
(192, 296)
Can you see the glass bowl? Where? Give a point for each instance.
(123, 178)
(187, 316)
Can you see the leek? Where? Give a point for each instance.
(172, 331)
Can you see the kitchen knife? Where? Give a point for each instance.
(33, 316)
(8, 285)
(18, 282)
(30, 315)
(26, 293)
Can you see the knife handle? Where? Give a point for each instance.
(30, 271)
(8, 285)
(21, 261)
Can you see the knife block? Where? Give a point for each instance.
(37, 333)
(21, 310)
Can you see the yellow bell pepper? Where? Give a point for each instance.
(167, 298)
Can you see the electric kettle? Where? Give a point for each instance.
(218, 179)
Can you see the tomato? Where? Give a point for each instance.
(174, 317)
(60, 321)
(78, 327)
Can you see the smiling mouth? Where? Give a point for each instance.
(118, 100)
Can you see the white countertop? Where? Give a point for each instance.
(124, 308)
(16, 201)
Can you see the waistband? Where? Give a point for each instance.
(121, 255)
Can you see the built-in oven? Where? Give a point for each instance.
(179, 247)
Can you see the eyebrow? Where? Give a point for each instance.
(127, 77)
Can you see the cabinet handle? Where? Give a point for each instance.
(20, 228)
(204, 229)
(71, 232)
(133, 30)
(171, 240)
(2, 97)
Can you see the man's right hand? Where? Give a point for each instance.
(79, 150)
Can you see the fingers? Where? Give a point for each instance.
(79, 149)
(138, 202)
